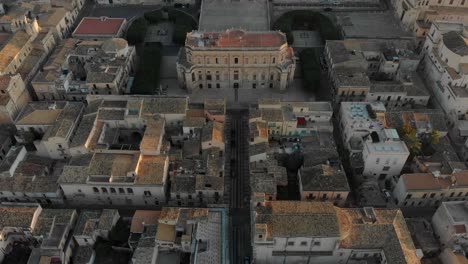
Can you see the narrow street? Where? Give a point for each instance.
(239, 189)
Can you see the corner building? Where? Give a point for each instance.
(236, 59)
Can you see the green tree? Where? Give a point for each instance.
(137, 31)
(147, 76)
(183, 22)
(408, 130)
(434, 137)
(310, 68)
(307, 20)
(154, 17)
(412, 142)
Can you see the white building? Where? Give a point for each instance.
(450, 223)
(446, 67)
(384, 155)
(358, 120)
(364, 132)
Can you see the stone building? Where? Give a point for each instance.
(13, 98)
(430, 189)
(417, 15)
(374, 70)
(126, 159)
(316, 232)
(76, 69)
(236, 59)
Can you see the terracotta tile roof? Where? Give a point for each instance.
(169, 214)
(236, 39)
(298, 219)
(99, 26)
(91, 221)
(40, 117)
(426, 181)
(195, 113)
(213, 131)
(164, 105)
(4, 99)
(259, 129)
(194, 122)
(215, 106)
(142, 218)
(4, 81)
(94, 135)
(460, 229)
(461, 177)
(115, 165)
(421, 181)
(51, 217)
(272, 115)
(17, 216)
(173, 213)
(387, 231)
(4, 37)
(324, 178)
(153, 134)
(12, 48)
(218, 132)
(151, 170)
(52, 18)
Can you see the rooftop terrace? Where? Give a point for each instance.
(236, 39)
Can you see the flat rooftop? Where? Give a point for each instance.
(99, 26)
(457, 210)
(219, 15)
(387, 147)
(371, 25)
